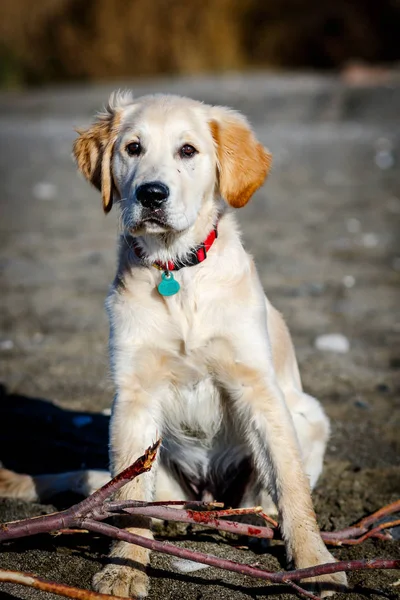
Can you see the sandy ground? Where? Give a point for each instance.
(323, 232)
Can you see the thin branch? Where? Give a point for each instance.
(374, 533)
(351, 535)
(229, 565)
(230, 512)
(301, 591)
(120, 504)
(49, 586)
(207, 519)
(34, 525)
(389, 509)
(269, 519)
(141, 465)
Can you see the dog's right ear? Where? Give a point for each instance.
(93, 152)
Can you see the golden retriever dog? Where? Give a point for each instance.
(199, 356)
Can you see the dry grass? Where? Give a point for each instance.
(97, 39)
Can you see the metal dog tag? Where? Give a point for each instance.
(168, 285)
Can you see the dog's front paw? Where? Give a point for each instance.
(328, 585)
(325, 585)
(121, 580)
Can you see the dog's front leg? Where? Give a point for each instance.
(134, 427)
(264, 419)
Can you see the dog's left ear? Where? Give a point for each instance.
(93, 152)
(243, 163)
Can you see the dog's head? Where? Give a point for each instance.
(163, 157)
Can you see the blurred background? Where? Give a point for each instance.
(91, 40)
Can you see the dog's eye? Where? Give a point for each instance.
(187, 151)
(134, 149)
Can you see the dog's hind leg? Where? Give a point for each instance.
(40, 488)
(312, 430)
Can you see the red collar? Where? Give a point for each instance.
(195, 257)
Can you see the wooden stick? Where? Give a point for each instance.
(231, 565)
(207, 519)
(50, 586)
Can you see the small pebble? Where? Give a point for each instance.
(370, 240)
(332, 342)
(187, 566)
(82, 421)
(44, 190)
(382, 387)
(384, 159)
(6, 344)
(349, 281)
(361, 403)
(395, 533)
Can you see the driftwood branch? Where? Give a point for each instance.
(230, 565)
(361, 530)
(49, 586)
(90, 513)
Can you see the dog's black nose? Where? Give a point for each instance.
(152, 195)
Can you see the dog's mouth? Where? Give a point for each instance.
(155, 220)
(156, 216)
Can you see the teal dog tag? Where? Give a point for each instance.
(168, 285)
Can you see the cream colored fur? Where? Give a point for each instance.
(211, 369)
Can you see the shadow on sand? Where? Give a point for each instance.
(38, 437)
